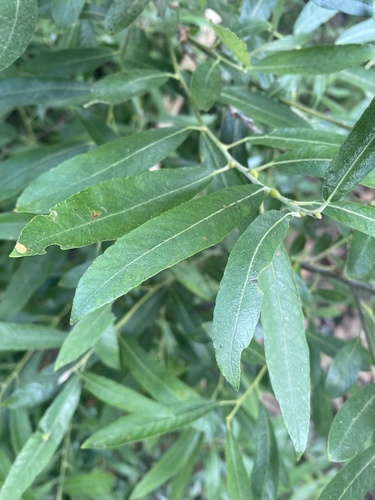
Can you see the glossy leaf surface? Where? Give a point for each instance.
(239, 300)
(354, 215)
(162, 242)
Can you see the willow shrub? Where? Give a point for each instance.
(187, 223)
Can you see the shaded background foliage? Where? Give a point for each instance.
(239, 109)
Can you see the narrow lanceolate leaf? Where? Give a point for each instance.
(239, 300)
(11, 224)
(360, 217)
(84, 335)
(110, 209)
(15, 92)
(121, 158)
(162, 242)
(66, 12)
(122, 13)
(297, 138)
(261, 108)
(352, 425)
(18, 23)
(152, 376)
(121, 87)
(206, 85)
(169, 464)
(38, 451)
(344, 370)
(287, 353)
(234, 44)
(22, 337)
(312, 161)
(237, 477)
(354, 480)
(315, 60)
(355, 158)
(120, 396)
(139, 426)
(265, 473)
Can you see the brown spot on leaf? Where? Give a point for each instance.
(21, 248)
(94, 214)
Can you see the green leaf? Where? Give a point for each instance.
(354, 215)
(120, 396)
(38, 451)
(265, 473)
(18, 24)
(121, 87)
(355, 158)
(239, 300)
(344, 370)
(20, 169)
(352, 425)
(121, 158)
(355, 7)
(122, 13)
(354, 480)
(11, 224)
(154, 378)
(96, 127)
(205, 85)
(287, 353)
(181, 479)
(311, 17)
(110, 209)
(15, 92)
(297, 138)
(233, 43)
(312, 161)
(22, 337)
(139, 426)
(29, 276)
(193, 280)
(95, 484)
(361, 255)
(261, 108)
(172, 461)
(84, 335)
(64, 63)
(315, 60)
(162, 242)
(66, 12)
(237, 477)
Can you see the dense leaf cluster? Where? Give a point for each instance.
(187, 231)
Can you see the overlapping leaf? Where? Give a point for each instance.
(162, 242)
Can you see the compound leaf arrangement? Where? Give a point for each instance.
(187, 234)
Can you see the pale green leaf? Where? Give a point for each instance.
(15, 92)
(20, 428)
(354, 480)
(354, 215)
(120, 396)
(352, 425)
(361, 255)
(110, 209)
(22, 337)
(287, 353)
(95, 484)
(311, 17)
(344, 370)
(122, 13)
(355, 158)
(84, 335)
(315, 60)
(206, 85)
(121, 158)
(172, 461)
(233, 43)
(261, 108)
(136, 426)
(163, 242)
(359, 33)
(237, 477)
(239, 300)
(11, 224)
(17, 27)
(38, 451)
(193, 280)
(265, 473)
(120, 87)
(66, 12)
(154, 378)
(311, 160)
(297, 138)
